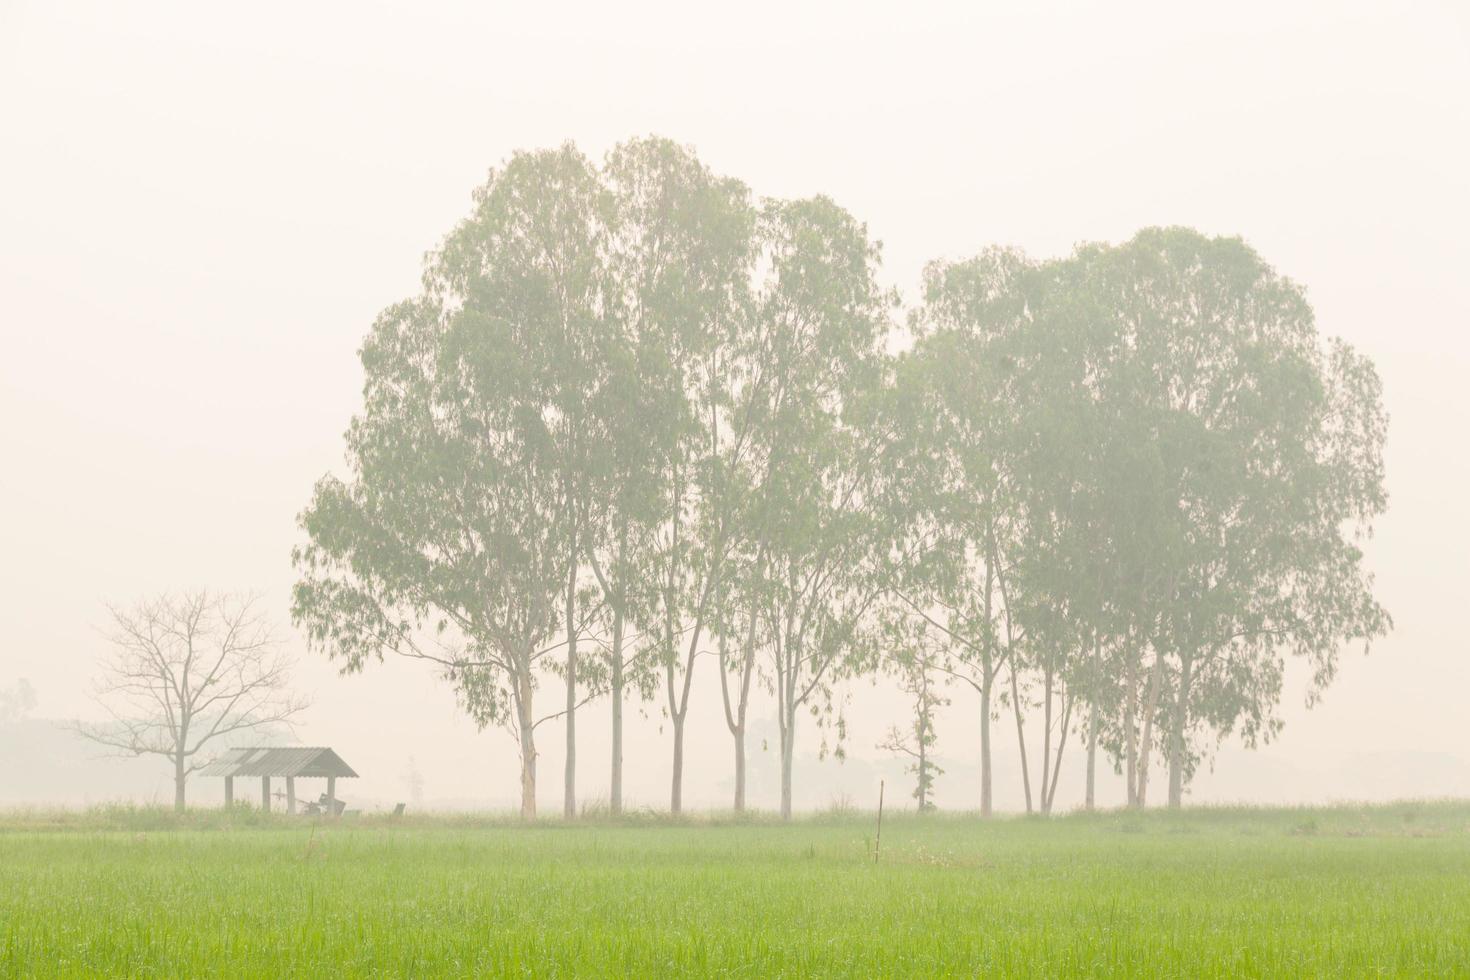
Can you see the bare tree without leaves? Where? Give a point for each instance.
(186, 672)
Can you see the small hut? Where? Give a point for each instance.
(288, 763)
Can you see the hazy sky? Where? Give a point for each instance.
(203, 207)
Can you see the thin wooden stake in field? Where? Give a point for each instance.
(878, 839)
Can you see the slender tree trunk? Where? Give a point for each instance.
(926, 729)
(788, 737)
(1178, 722)
(678, 695)
(1063, 730)
(735, 721)
(528, 775)
(569, 795)
(923, 771)
(1091, 798)
(737, 717)
(615, 592)
(1021, 737)
(528, 746)
(180, 779)
(994, 573)
(181, 741)
(1130, 730)
(676, 784)
(669, 586)
(740, 771)
(985, 779)
(1155, 682)
(617, 683)
(1046, 745)
(679, 713)
(987, 689)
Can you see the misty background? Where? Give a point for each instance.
(201, 212)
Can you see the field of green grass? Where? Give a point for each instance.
(1346, 891)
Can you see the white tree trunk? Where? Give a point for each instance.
(569, 794)
(528, 747)
(1179, 720)
(986, 806)
(788, 738)
(1155, 682)
(676, 782)
(617, 715)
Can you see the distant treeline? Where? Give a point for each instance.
(639, 425)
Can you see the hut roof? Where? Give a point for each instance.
(278, 761)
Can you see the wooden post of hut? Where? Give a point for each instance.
(331, 796)
(291, 795)
(229, 791)
(265, 793)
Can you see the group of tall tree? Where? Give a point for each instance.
(1140, 479)
(638, 421)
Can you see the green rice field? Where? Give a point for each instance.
(1344, 891)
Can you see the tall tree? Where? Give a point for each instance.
(1250, 465)
(823, 536)
(1061, 570)
(677, 272)
(186, 673)
(1280, 573)
(960, 399)
(456, 539)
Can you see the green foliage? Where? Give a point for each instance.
(678, 276)
(449, 541)
(1139, 475)
(818, 576)
(636, 412)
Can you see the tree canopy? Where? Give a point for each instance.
(636, 418)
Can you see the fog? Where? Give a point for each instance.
(202, 211)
